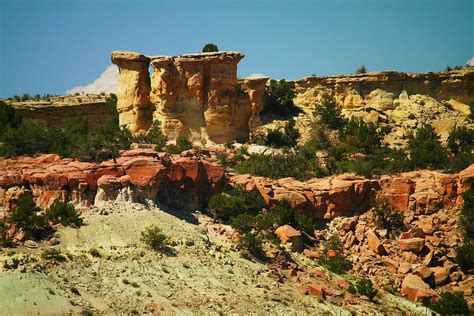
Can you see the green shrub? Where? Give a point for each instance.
(426, 150)
(461, 145)
(287, 138)
(333, 243)
(154, 135)
(386, 217)
(281, 214)
(182, 144)
(365, 287)
(209, 47)
(461, 139)
(236, 202)
(63, 213)
(381, 161)
(455, 67)
(253, 244)
(360, 136)
(95, 252)
(337, 264)
(361, 70)
(25, 216)
(319, 141)
(5, 240)
(9, 117)
(467, 214)
(244, 223)
(72, 139)
(305, 223)
(451, 303)
(461, 161)
(465, 256)
(153, 237)
(329, 113)
(281, 96)
(290, 164)
(53, 254)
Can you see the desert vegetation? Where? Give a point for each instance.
(34, 223)
(210, 47)
(465, 252)
(248, 213)
(74, 138)
(355, 146)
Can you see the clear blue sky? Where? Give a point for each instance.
(48, 46)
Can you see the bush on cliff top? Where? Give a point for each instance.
(182, 144)
(209, 47)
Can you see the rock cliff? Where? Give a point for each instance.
(197, 96)
(133, 93)
(404, 101)
(137, 176)
(54, 110)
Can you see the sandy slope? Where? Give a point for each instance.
(204, 275)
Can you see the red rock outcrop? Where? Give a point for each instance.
(420, 192)
(319, 198)
(138, 175)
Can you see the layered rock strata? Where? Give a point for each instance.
(417, 192)
(404, 101)
(133, 93)
(197, 96)
(137, 176)
(53, 111)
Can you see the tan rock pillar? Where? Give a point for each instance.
(133, 93)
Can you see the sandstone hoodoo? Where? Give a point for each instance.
(197, 96)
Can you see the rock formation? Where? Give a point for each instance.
(197, 96)
(133, 94)
(402, 100)
(137, 176)
(52, 111)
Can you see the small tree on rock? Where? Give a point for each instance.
(361, 70)
(209, 48)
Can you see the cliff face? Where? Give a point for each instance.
(57, 109)
(196, 95)
(404, 101)
(133, 94)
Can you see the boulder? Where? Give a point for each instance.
(316, 290)
(414, 289)
(286, 233)
(412, 244)
(375, 244)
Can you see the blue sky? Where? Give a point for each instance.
(49, 46)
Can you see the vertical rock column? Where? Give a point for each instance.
(133, 94)
(220, 91)
(250, 104)
(196, 95)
